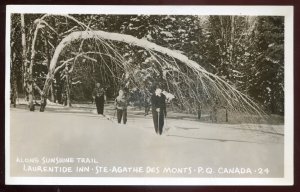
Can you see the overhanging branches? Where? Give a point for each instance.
(213, 85)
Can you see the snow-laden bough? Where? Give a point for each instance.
(199, 82)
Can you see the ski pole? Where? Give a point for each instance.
(158, 122)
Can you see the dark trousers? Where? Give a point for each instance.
(100, 104)
(158, 128)
(122, 113)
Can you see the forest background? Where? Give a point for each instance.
(246, 52)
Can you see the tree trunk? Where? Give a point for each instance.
(52, 95)
(231, 40)
(48, 57)
(24, 63)
(68, 88)
(199, 111)
(226, 115)
(30, 95)
(30, 70)
(13, 93)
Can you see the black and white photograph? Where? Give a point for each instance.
(149, 95)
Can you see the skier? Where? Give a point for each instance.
(121, 103)
(159, 111)
(99, 97)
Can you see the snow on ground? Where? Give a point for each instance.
(185, 144)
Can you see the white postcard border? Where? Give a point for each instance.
(287, 11)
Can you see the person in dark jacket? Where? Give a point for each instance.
(99, 97)
(121, 103)
(159, 111)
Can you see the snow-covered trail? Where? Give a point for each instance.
(187, 144)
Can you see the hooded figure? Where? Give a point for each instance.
(121, 103)
(159, 111)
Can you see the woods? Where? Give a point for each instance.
(230, 62)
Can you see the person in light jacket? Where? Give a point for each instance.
(121, 103)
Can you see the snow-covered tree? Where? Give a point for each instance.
(266, 71)
(200, 60)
